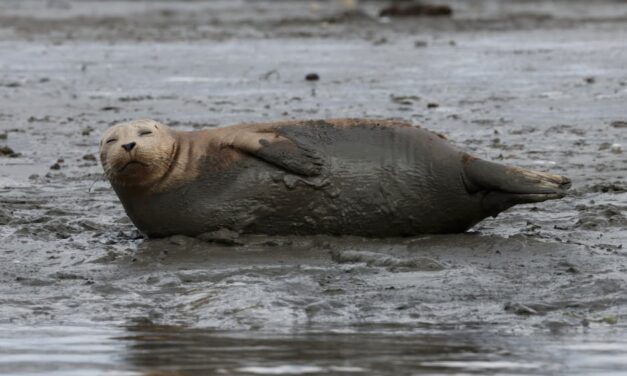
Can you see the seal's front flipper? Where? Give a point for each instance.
(508, 186)
(279, 151)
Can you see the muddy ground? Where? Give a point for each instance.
(540, 289)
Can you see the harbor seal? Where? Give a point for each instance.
(375, 178)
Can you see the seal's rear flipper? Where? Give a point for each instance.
(512, 185)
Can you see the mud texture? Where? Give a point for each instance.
(539, 290)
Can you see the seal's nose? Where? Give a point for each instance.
(129, 146)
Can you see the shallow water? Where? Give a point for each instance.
(145, 349)
(538, 290)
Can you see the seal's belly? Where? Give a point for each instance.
(357, 197)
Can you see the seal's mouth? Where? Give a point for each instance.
(132, 163)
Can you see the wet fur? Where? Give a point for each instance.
(340, 176)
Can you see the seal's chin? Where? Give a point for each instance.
(131, 166)
(130, 172)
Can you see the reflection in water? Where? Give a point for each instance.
(155, 348)
(167, 350)
(146, 349)
(60, 350)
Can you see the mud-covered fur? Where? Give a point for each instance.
(340, 176)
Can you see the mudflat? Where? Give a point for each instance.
(539, 289)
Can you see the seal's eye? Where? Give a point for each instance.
(111, 140)
(144, 132)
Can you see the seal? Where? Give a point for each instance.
(375, 178)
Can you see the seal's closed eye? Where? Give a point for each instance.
(144, 132)
(111, 140)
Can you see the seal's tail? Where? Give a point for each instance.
(517, 184)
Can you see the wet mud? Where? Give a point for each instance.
(540, 289)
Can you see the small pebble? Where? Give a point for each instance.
(619, 124)
(312, 77)
(8, 152)
(616, 148)
(5, 150)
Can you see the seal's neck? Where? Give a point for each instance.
(183, 165)
(173, 167)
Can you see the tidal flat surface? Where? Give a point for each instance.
(542, 289)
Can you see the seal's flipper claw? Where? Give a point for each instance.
(522, 184)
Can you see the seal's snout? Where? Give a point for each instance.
(128, 147)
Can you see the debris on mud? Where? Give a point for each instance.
(34, 282)
(222, 236)
(312, 77)
(6, 151)
(619, 124)
(616, 148)
(415, 9)
(600, 216)
(420, 43)
(273, 73)
(611, 187)
(520, 309)
(89, 157)
(43, 119)
(10, 84)
(381, 259)
(5, 217)
(136, 98)
(406, 100)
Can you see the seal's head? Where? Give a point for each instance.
(137, 153)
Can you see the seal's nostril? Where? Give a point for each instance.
(129, 146)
